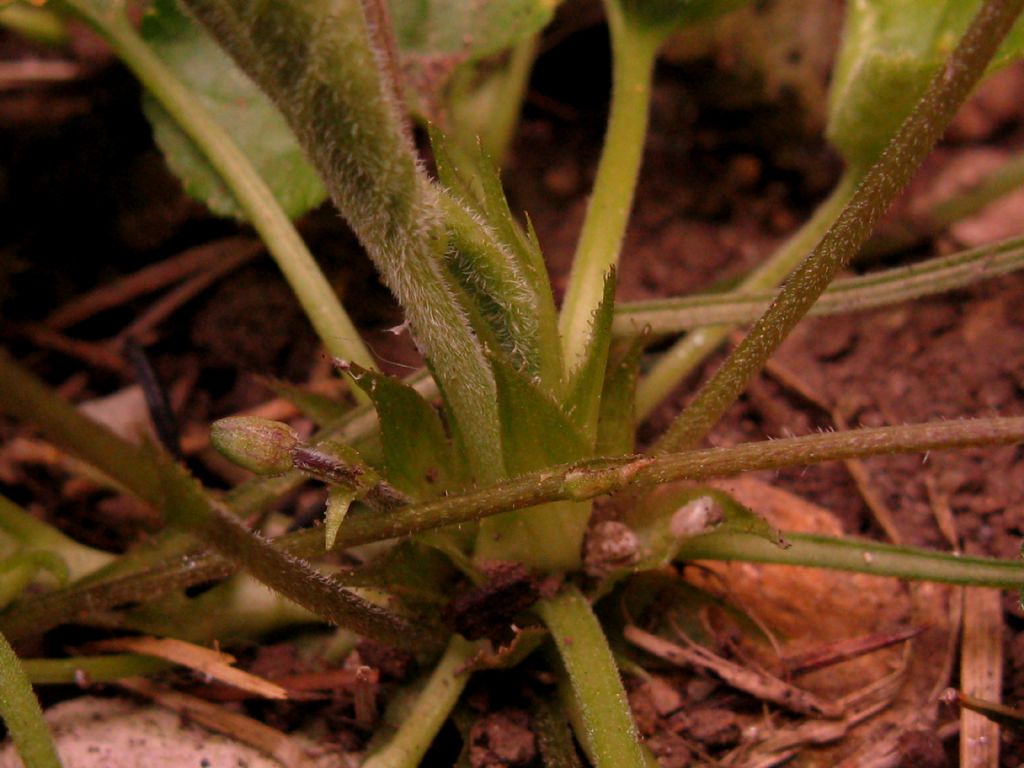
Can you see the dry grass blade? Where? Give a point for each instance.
(173, 299)
(93, 354)
(206, 661)
(844, 650)
(981, 675)
(788, 742)
(754, 682)
(148, 280)
(34, 73)
(244, 729)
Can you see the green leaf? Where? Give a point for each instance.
(430, 31)
(321, 409)
(666, 16)
(235, 102)
(20, 569)
(587, 382)
(616, 425)
(416, 573)
(339, 499)
(535, 433)
(890, 50)
(535, 430)
(419, 459)
(437, 38)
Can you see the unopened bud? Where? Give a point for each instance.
(260, 445)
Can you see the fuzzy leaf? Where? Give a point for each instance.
(235, 102)
(497, 264)
(419, 459)
(587, 383)
(328, 81)
(890, 51)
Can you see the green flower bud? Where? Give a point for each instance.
(260, 445)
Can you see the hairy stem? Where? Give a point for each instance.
(318, 299)
(21, 713)
(610, 731)
(578, 481)
(852, 294)
(610, 204)
(693, 349)
(189, 508)
(901, 158)
(25, 397)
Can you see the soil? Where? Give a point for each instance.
(730, 169)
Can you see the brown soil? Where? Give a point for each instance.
(87, 199)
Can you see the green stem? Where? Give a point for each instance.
(852, 294)
(608, 212)
(25, 397)
(21, 713)
(604, 710)
(79, 558)
(689, 352)
(318, 299)
(21, 568)
(882, 183)
(856, 557)
(489, 111)
(579, 481)
(40, 25)
(94, 669)
(433, 705)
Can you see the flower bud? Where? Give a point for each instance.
(260, 445)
